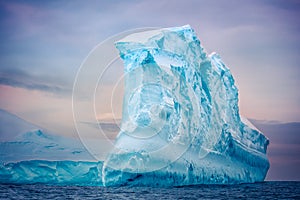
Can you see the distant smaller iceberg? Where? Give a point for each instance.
(29, 155)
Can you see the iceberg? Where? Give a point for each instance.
(180, 125)
(21, 140)
(180, 121)
(29, 155)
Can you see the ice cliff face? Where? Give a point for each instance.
(181, 122)
(65, 172)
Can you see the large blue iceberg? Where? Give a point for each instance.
(180, 126)
(181, 123)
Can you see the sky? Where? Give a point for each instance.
(43, 44)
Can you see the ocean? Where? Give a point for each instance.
(264, 190)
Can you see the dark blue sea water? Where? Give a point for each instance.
(265, 190)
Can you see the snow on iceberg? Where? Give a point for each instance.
(181, 123)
